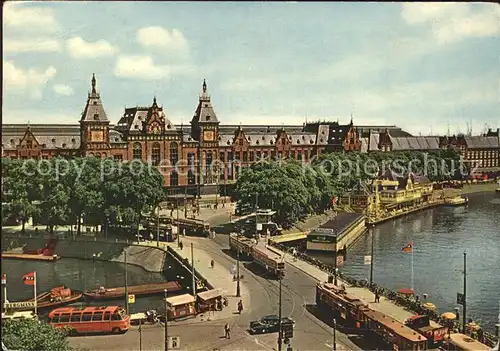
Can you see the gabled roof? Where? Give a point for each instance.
(94, 110)
(134, 119)
(205, 112)
(482, 142)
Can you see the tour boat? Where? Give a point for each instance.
(58, 296)
(145, 289)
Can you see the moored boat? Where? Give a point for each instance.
(140, 290)
(456, 201)
(58, 296)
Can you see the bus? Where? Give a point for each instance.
(86, 320)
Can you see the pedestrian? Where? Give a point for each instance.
(181, 245)
(294, 253)
(240, 306)
(377, 296)
(183, 231)
(212, 264)
(227, 331)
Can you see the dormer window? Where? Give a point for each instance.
(303, 137)
(257, 142)
(169, 126)
(271, 142)
(136, 126)
(208, 118)
(54, 140)
(64, 145)
(94, 103)
(206, 105)
(96, 116)
(298, 141)
(12, 141)
(73, 140)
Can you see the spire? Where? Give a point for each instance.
(154, 101)
(204, 86)
(93, 84)
(351, 119)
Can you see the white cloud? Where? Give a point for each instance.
(162, 39)
(40, 116)
(143, 67)
(79, 48)
(30, 45)
(17, 16)
(31, 80)
(63, 89)
(452, 22)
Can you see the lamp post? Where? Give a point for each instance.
(165, 325)
(178, 228)
(158, 229)
(464, 311)
(371, 260)
(279, 311)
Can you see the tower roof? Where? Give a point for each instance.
(94, 110)
(205, 112)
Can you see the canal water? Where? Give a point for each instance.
(87, 274)
(440, 237)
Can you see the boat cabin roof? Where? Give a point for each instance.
(209, 294)
(466, 343)
(395, 326)
(19, 314)
(180, 300)
(84, 309)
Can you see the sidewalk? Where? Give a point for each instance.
(384, 306)
(220, 276)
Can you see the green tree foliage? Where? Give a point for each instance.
(91, 190)
(295, 190)
(32, 334)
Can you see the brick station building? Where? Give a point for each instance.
(146, 133)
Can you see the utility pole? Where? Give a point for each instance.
(371, 260)
(279, 311)
(256, 208)
(192, 266)
(165, 324)
(178, 227)
(140, 335)
(335, 263)
(238, 292)
(334, 335)
(216, 186)
(126, 283)
(158, 229)
(464, 312)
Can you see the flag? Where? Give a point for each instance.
(29, 278)
(408, 248)
(368, 260)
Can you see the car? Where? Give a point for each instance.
(268, 324)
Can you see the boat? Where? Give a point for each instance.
(497, 190)
(103, 293)
(456, 201)
(58, 296)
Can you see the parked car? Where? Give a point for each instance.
(268, 324)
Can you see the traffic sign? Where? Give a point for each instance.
(131, 298)
(24, 304)
(174, 342)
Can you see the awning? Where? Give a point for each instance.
(180, 300)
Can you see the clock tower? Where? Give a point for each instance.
(205, 129)
(94, 125)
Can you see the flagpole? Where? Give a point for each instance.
(34, 291)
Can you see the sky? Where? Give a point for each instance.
(427, 68)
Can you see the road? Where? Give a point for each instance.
(298, 291)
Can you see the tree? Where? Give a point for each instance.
(32, 334)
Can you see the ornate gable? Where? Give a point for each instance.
(155, 123)
(29, 140)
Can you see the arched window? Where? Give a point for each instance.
(137, 152)
(155, 154)
(191, 177)
(209, 158)
(174, 178)
(174, 154)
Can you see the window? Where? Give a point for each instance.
(87, 317)
(64, 318)
(116, 317)
(118, 158)
(299, 155)
(222, 156)
(209, 158)
(245, 156)
(230, 156)
(137, 152)
(292, 154)
(96, 116)
(174, 178)
(241, 142)
(29, 144)
(75, 317)
(155, 154)
(191, 178)
(55, 319)
(252, 155)
(174, 153)
(191, 159)
(259, 155)
(107, 316)
(273, 154)
(97, 316)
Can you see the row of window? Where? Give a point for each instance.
(155, 153)
(482, 154)
(251, 156)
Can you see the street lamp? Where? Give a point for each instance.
(334, 335)
(238, 292)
